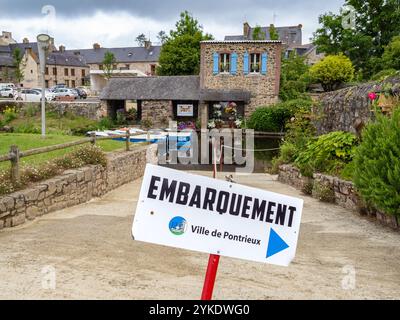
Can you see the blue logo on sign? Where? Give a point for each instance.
(178, 226)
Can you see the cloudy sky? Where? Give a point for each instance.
(113, 23)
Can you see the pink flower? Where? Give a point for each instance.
(372, 96)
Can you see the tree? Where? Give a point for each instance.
(162, 37)
(18, 64)
(376, 22)
(333, 71)
(180, 54)
(141, 39)
(108, 64)
(391, 55)
(273, 33)
(258, 34)
(294, 77)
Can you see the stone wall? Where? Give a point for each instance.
(349, 109)
(159, 112)
(264, 89)
(74, 187)
(90, 110)
(345, 193)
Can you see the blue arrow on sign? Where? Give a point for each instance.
(275, 244)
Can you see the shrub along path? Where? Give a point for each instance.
(340, 256)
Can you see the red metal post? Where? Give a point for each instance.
(213, 261)
(211, 275)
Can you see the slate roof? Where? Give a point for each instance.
(152, 88)
(122, 55)
(54, 58)
(290, 35)
(6, 61)
(167, 88)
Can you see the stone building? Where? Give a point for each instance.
(62, 67)
(243, 72)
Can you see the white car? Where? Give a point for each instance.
(7, 93)
(29, 95)
(65, 92)
(50, 96)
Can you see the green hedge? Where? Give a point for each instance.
(377, 164)
(274, 118)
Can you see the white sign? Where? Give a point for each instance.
(185, 110)
(198, 213)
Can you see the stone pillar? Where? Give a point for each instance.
(203, 114)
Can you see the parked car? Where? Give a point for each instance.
(50, 96)
(65, 92)
(7, 93)
(58, 86)
(29, 95)
(81, 93)
(7, 85)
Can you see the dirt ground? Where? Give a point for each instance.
(90, 249)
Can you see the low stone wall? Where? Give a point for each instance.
(74, 187)
(90, 110)
(345, 193)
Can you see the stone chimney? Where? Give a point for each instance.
(147, 44)
(96, 46)
(7, 35)
(246, 30)
(25, 40)
(61, 48)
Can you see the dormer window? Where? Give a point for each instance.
(255, 63)
(225, 62)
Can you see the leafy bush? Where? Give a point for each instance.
(382, 75)
(10, 114)
(294, 77)
(333, 71)
(329, 153)
(323, 192)
(27, 128)
(274, 118)
(377, 164)
(147, 124)
(90, 155)
(105, 124)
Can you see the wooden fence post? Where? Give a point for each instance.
(128, 141)
(14, 152)
(93, 135)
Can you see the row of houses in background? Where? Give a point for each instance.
(74, 68)
(83, 67)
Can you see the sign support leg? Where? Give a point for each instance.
(213, 261)
(211, 274)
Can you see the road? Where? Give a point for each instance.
(86, 252)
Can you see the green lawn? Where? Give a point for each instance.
(33, 141)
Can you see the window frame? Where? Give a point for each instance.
(225, 63)
(251, 62)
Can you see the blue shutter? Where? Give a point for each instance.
(264, 63)
(234, 63)
(246, 63)
(216, 63)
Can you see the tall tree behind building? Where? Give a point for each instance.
(180, 54)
